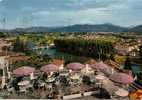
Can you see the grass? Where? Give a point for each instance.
(112, 39)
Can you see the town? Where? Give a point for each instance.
(61, 66)
(71, 49)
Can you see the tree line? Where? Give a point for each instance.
(99, 49)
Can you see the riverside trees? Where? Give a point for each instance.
(92, 48)
(127, 64)
(18, 45)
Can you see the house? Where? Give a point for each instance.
(59, 63)
(4, 67)
(4, 43)
(126, 48)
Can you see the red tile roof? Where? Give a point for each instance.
(57, 62)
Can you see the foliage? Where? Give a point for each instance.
(81, 47)
(35, 61)
(39, 39)
(139, 75)
(2, 34)
(102, 94)
(139, 78)
(128, 65)
(111, 38)
(64, 81)
(18, 45)
(1, 72)
(19, 64)
(119, 59)
(140, 52)
(112, 57)
(86, 80)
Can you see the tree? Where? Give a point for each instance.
(2, 34)
(37, 60)
(29, 45)
(139, 75)
(112, 57)
(18, 45)
(139, 78)
(82, 47)
(140, 52)
(86, 80)
(64, 81)
(127, 65)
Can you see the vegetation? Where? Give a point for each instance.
(64, 81)
(92, 48)
(2, 34)
(111, 38)
(34, 60)
(39, 39)
(124, 36)
(18, 45)
(112, 57)
(119, 59)
(128, 65)
(24, 44)
(86, 80)
(140, 52)
(139, 78)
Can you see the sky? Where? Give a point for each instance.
(26, 13)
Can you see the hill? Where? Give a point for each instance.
(79, 28)
(137, 29)
(75, 28)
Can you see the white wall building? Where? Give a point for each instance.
(4, 66)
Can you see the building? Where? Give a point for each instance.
(5, 73)
(4, 43)
(126, 48)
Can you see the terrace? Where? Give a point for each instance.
(74, 80)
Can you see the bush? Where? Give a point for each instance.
(86, 80)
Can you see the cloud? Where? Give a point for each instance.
(105, 11)
(91, 15)
(42, 13)
(60, 5)
(65, 12)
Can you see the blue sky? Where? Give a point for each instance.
(25, 13)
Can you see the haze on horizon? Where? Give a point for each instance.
(26, 13)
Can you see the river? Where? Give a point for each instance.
(54, 53)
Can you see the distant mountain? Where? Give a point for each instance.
(75, 28)
(91, 28)
(137, 29)
(80, 28)
(31, 29)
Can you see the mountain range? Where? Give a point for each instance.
(80, 28)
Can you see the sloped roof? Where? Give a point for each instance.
(57, 62)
